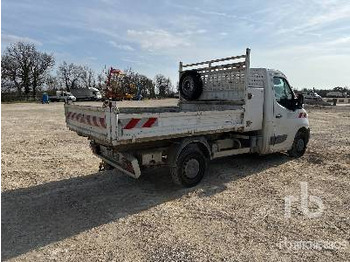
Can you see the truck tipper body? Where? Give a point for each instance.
(225, 108)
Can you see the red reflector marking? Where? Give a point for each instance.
(132, 123)
(78, 117)
(88, 120)
(102, 122)
(150, 122)
(82, 119)
(94, 120)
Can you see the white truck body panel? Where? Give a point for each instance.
(113, 127)
(169, 125)
(87, 121)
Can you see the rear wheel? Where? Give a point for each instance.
(190, 167)
(299, 145)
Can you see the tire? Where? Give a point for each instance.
(104, 166)
(299, 145)
(190, 168)
(191, 85)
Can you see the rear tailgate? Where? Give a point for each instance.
(88, 121)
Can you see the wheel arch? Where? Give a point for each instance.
(305, 131)
(178, 147)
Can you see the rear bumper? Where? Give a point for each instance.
(124, 162)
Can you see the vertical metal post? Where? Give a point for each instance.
(246, 74)
(247, 58)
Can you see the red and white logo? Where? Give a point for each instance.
(302, 115)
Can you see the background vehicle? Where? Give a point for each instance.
(336, 94)
(62, 96)
(312, 95)
(89, 93)
(225, 108)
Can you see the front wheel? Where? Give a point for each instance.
(299, 145)
(190, 167)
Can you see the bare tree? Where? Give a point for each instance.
(69, 75)
(147, 87)
(39, 70)
(24, 68)
(10, 75)
(7, 86)
(75, 76)
(101, 81)
(52, 83)
(87, 77)
(163, 85)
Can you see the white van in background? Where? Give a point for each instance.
(89, 93)
(62, 96)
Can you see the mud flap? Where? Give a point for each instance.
(126, 163)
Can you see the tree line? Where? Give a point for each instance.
(345, 91)
(26, 71)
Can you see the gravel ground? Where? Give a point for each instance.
(57, 206)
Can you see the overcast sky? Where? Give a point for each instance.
(308, 40)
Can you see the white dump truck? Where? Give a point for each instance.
(225, 108)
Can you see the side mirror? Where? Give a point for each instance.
(300, 100)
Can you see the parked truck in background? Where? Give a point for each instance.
(89, 93)
(62, 96)
(225, 108)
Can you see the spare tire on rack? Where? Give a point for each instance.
(191, 85)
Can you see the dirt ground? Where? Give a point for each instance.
(56, 206)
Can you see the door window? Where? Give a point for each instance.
(283, 93)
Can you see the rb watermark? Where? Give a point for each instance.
(305, 199)
(312, 244)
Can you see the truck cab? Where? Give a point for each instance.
(96, 94)
(284, 116)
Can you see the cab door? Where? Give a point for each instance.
(283, 115)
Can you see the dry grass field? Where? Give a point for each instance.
(56, 206)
